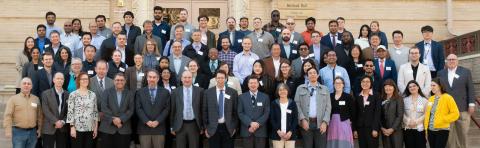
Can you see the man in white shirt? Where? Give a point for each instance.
(398, 53)
(414, 70)
(68, 38)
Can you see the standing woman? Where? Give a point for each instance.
(151, 55)
(82, 114)
(303, 79)
(284, 119)
(392, 116)
(77, 27)
(116, 65)
(363, 37)
(30, 69)
(63, 63)
(413, 116)
(23, 57)
(135, 75)
(441, 112)
(375, 26)
(355, 67)
(265, 81)
(340, 131)
(231, 80)
(71, 77)
(166, 80)
(367, 115)
(286, 77)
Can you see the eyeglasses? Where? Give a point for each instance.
(290, 23)
(368, 65)
(303, 48)
(451, 59)
(84, 79)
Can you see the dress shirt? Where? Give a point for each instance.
(227, 57)
(327, 77)
(119, 98)
(312, 109)
(96, 41)
(451, 75)
(317, 51)
(276, 64)
(188, 103)
(101, 82)
(122, 50)
(177, 62)
(204, 38)
(287, 49)
(427, 59)
(59, 95)
(22, 111)
(70, 40)
(243, 64)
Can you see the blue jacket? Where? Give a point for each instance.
(327, 41)
(294, 53)
(438, 55)
(235, 45)
(276, 118)
(390, 71)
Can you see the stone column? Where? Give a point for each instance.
(238, 9)
(143, 10)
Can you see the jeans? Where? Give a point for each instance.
(24, 138)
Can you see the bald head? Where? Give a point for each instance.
(452, 61)
(58, 80)
(290, 24)
(92, 26)
(26, 85)
(67, 26)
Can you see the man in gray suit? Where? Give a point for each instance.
(220, 113)
(298, 62)
(295, 37)
(86, 40)
(458, 82)
(100, 83)
(148, 34)
(178, 61)
(152, 108)
(253, 111)
(186, 115)
(118, 108)
(54, 107)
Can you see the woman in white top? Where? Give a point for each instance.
(232, 81)
(414, 115)
(363, 39)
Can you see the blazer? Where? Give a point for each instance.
(324, 107)
(47, 43)
(177, 107)
(297, 66)
(423, 77)
(327, 40)
(347, 110)
(43, 83)
(257, 112)
(29, 71)
(368, 113)
(201, 81)
(113, 69)
(183, 64)
(146, 111)
(462, 88)
(205, 68)
(200, 56)
(140, 42)
(392, 114)
(354, 69)
(390, 71)
(131, 76)
(211, 42)
(132, 35)
(446, 112)
(60, 67)
(294, 53)
(270, 67)
(267, 85)
(438, 55)
(94, 86)
(297, 38)
(210, 110)
(56, 56)
(124, 111)
(107, 48)
(236, 44)
(50, 111)
(78, 53)
(276, 119)
(342, 57)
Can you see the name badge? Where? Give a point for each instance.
(239, 40)
(359, 65)
(398, 52)
(425, 62)
(295, 42)
(367, 103)
(46, 46)
(342, 103)
(187, 30)
(261, 83)
(259, 104)
(196, 84)
(40, 67)
(121, 69)
(279, 30)
(338, 74)
(164, 32)
(456, 76)
(289, 111)
(388, 68)
(430, 103)
(230, 83)
(141, 74)
(173, 87)
(260, 40)
(294, 51)
(311, 55)
(185, 68)
(34, 104)
(200, 53)
(90, 72)
(409, 71)
(227, 96)
(158, 58)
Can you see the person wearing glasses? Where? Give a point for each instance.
(369, 69)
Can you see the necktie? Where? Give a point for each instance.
(152, 95)
(101, 84)
(220, 104)
(334, 40)
(381, 68)
(119, 100)
(333, 75)
(212, 66)
(253, 100)
(312, 90)
(60, 103)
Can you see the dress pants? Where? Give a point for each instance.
(152, 141)
(221, 138)
(57, 140)
(116, 140)
(414, 138)
(83, 140)
(438, 139)
(457, 137)
(189, 135)
(365, 138)
(312, 138)
(254, 142)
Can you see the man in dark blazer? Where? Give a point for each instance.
(253, 112)
(431, 52)
(389, 71)
(210, 66)
(235, 37)
(147, 34)
(220, 116)
(130, 29)
(305, 54)
(288, 50)
(152, 109)
(110, 44)
(458, 82)
(118, 108)
(100, 82)
(333, 37)
(196, 50)
(270, 62)
(55, 46)
(45, 75)
(343, 50)
(177, 55)
(54, 107)
(186, 115)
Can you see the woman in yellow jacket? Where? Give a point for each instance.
(441, 111)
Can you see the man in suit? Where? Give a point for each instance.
(147, 34)
(253, 112)
(289, 50)
(333, 37)
(127, 52)
(177, 60)
(45, 75)
(118, 108)
(316, 49)
(414, 70)
(220, 116)
(384, 67)
(272, 63)
(211, 66)
(432, 52)
(370, 52)
(42, 42)
(343, 50)
(55, 45)
(295, 37)
(197, 50)
(110, 44)
(100, 82)
(130, 30)
(186, 115)
(304, 55)
(152, 109)
(54, 107)
(458, 82)
(235, 37)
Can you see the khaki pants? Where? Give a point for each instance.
(283, 144)
(458, 131)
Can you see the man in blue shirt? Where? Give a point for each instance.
(42, 42)
(331, 71)
(160, 27)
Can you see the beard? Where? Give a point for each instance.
(157, 17)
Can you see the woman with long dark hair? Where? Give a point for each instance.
(367, 115)
(63, 63)
(415, 104)
(392, 115)
(364, 36)
(23, 57)
(355, 65)
(77, 27)
(303, 79)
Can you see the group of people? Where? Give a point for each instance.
(111, 86)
